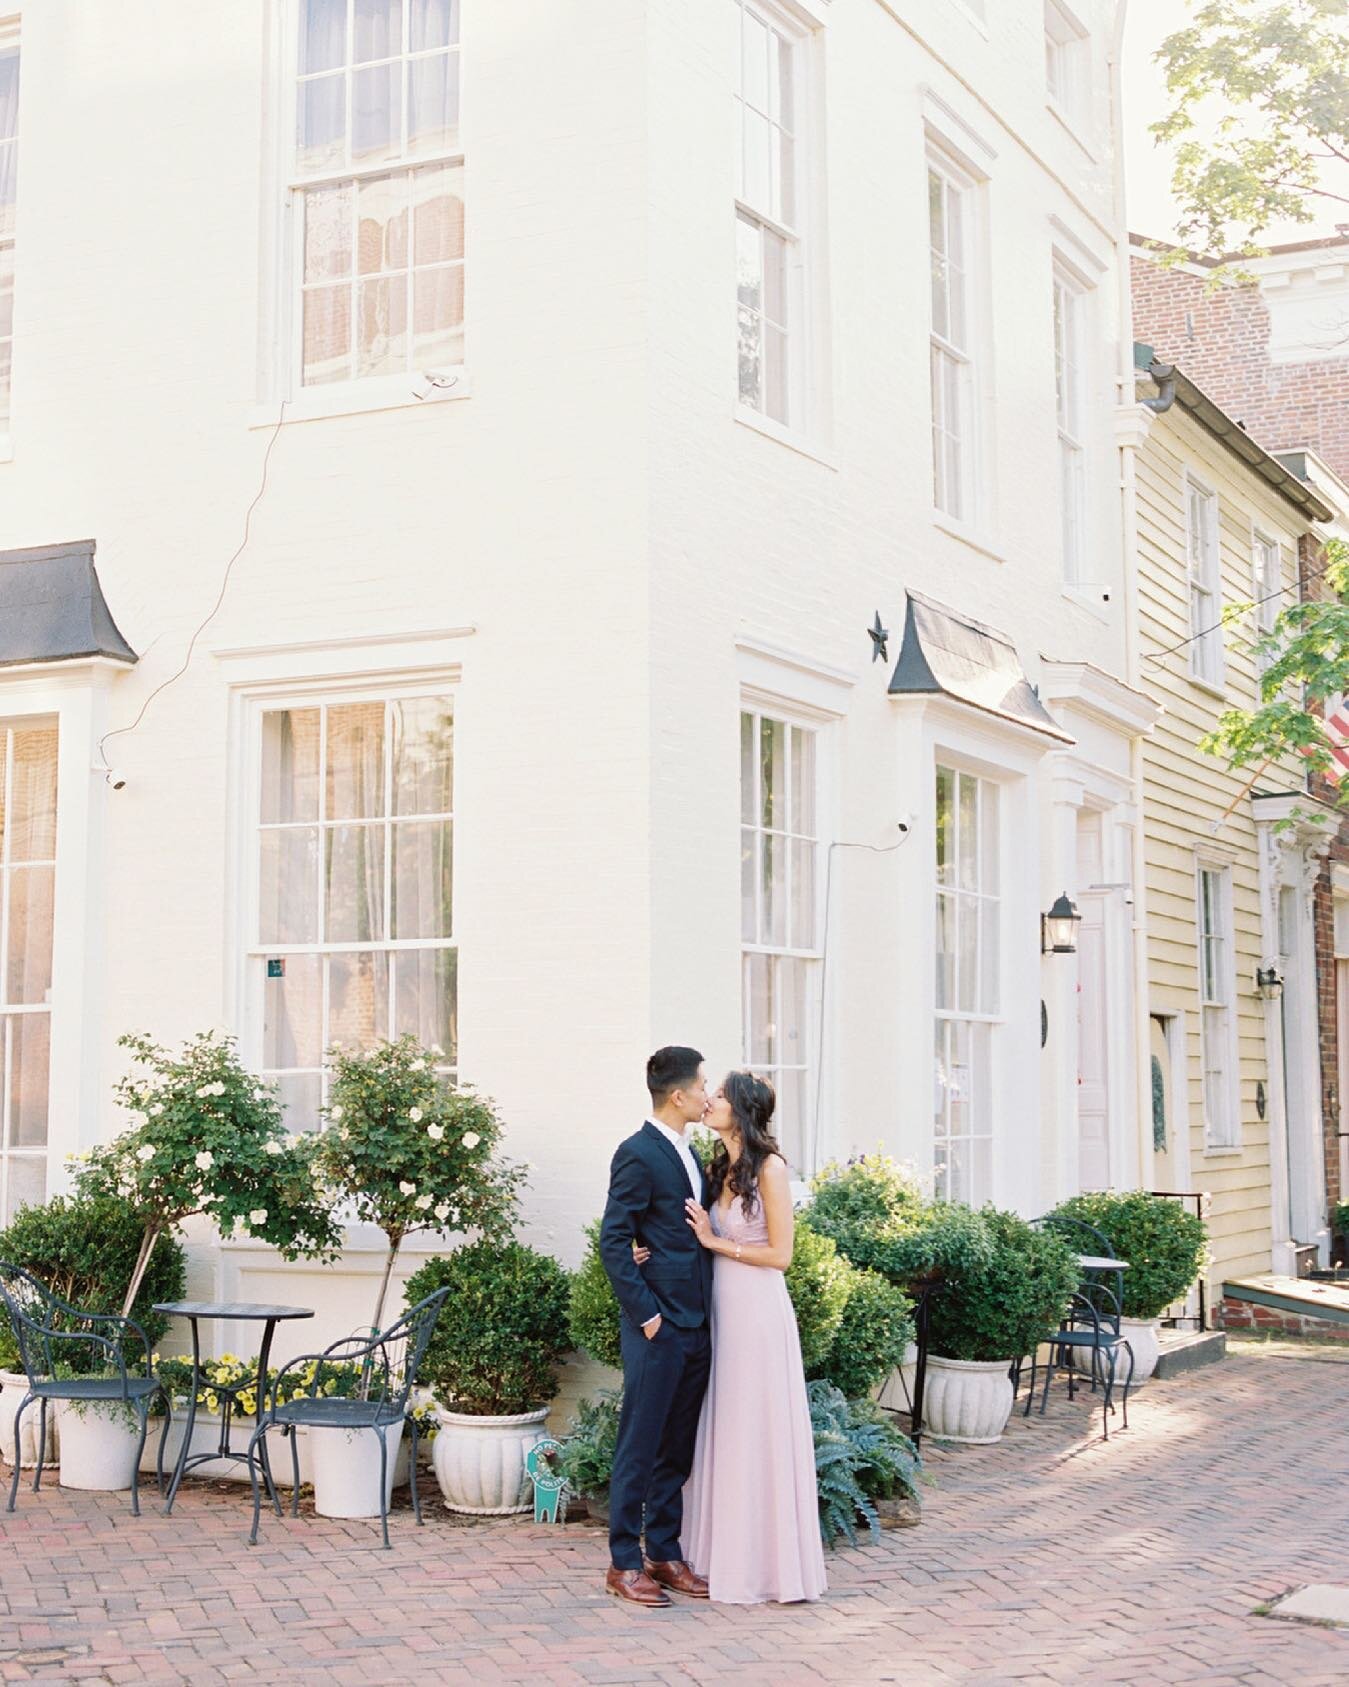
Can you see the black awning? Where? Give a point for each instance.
(949, 655)
(52, 607)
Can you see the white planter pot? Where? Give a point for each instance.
(346, 1470)
(98, 1446)
(13, 1387)
(967, 1399)
(1141, 1335)
(206, 1439)
(480, 1462)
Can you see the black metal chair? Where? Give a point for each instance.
(1091, 1324)
(388, 1373)
(53, 1343)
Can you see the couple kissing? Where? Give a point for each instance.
(713, 1487)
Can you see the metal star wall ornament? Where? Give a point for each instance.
(880, 637)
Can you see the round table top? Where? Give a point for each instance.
(232, 1309)
(1095, 1262)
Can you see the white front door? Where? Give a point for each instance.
(1093, 1018)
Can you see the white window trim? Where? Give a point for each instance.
(1067, 31)
(1263, 615)
(1229, 1006)
(1076, 581)
(1214, 587)
(279, 328)
(806, 305)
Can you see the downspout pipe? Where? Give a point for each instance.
(1165, 376)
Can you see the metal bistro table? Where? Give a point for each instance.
(245, 1312)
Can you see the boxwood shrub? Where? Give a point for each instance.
(1006, 1307)
(1165, 1244)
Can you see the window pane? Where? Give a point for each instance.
(327, 335)
(946, 843)
(803, 896)
(27, 1183)
(379, 30)
(33, 817)
(298, 1093)
(803, 782)
(968, 832)
(438, 213)
(749, 358)
(292, 1017)
(355, 785)
(758, 185)
(438, 317)
(321, 120)
(747, 808)
(6, 290)
(774, 890)
(748, 263)
(354, 884)
(425, 998)
(376, 112)
(290, 765)
(946, 951)
(423, 756)
(288, 884)
(433, 23)
(775, 374)
(940, 1077)
(423, 878)
(9, 186)
(790, 1115)
(433, 103)
(358, 999)
(382, 348)
(30, 1055)
(772, 773)
(327, 233)
(323, 35)
(749, 925)
(967, 954)
(989, 919)
(775, 278)
(988, 837)
(762, 1012)
(382, 224)
(755, 64)
(28, 974)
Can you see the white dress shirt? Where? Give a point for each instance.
(680, 1143)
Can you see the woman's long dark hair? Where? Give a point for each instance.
(752, 1102)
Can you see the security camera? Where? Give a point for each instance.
(432, 380)
(115, 779)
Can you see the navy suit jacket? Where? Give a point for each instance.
(647, 1190)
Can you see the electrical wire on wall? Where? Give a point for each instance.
(1255, 603)
(172, 679)
(871, 849)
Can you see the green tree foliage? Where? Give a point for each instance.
(1260, 120)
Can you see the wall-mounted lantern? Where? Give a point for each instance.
(1058, 928)
(1269, 983)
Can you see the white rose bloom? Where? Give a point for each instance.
(417, 1066)
(415, 1114)
(156, 1108)
(258, 1215)
(423, 1202)
(272, 1147)
(435, 1132)
(205, 1160)
(408, 1188)
(334, 1112)
(443, 1211)
(344, 1133)
(436, 1049)
(145, 1152)
(471, 1139)
(204, 1089)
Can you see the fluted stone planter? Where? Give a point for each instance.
(1142, 1335)
(13, 1387)
(480, 1462)
(967, 1400)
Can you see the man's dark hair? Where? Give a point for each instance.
(670, 1069)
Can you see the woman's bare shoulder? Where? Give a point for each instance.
(774, 1171)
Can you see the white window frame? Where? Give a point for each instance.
(1215, 949)
(281, 324)
(1203, 572)
(982, 1021)
(10, 37)
(803, 1159)
(954, 362)
(1072, 337)
(1067, 63)
(252, 953)
(802, 422)
(1266, 548)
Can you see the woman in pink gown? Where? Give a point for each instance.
(751, 1521)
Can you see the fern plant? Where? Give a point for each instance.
(860, 1457)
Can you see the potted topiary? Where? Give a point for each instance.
(993, 1310)
(588, 1451)
(84, 1250)
(1166, 1246)
(493, 1365)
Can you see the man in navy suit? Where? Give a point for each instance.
(667, 1349)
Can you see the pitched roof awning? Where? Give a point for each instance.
(949, 655)
(52, 608)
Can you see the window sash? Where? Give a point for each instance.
(1203, 563)
(1216, 993)
(951, 361)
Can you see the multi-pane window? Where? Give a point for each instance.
(1217, 987)
(779, 913)
(949, 207)
(768, 236)
(9, 193)
(1205, 585)
(1066, 61)
(378, 189)
(967, 996)
(1268, 569)
(354, 940)
(27, 905)
(1070, 411)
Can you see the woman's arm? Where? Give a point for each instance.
(775, 1192)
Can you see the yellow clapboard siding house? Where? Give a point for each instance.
(1230, 861)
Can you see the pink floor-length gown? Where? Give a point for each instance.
(751, 1521)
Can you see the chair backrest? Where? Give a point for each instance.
(381, 1366)
(52, 1335)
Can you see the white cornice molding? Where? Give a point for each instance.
(1133, 424)
(1108, 700)
(779, 672)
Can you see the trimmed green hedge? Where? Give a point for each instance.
(1165, 1244)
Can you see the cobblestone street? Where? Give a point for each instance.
(1048, 1558)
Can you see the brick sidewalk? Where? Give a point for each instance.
(1048, 1558)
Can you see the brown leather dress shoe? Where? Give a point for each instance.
(636, 1587)
(678, 1577)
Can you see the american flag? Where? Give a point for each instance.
(1337, 730)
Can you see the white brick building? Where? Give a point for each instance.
(627, 522)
